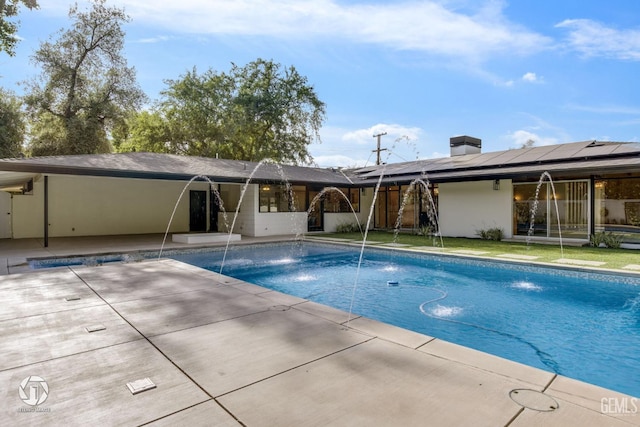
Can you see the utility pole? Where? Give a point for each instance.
(378, 150)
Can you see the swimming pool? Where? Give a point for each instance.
(581, 325)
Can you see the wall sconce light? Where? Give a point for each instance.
(496, 184)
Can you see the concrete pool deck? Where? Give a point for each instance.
(224, 352)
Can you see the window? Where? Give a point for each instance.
(282, 198)
(342, 200)
(617, 207)
(410, 200)
(419, 209)
(539, 209)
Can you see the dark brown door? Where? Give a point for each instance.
(197, 210)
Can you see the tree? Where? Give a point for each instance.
(258, 111)
(276, 115)
(143, 131)
(8, 29)
(529, 144)
(12, 125)
(194, 109)
(85, 88)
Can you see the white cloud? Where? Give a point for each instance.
(339, 161)
(349, 148)
(521, 137)
(424, 26)
(531, 78)
(393, 133)
(150, 40)
(594, 39)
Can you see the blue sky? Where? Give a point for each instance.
(421, 71)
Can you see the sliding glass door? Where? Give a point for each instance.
(538, 210)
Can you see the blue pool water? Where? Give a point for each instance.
(581, 325)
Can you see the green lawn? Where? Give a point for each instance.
(614, 258)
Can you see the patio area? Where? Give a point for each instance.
(213, 350)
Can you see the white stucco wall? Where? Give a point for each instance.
(281, 223)
(466, 207)
(92, 206)
(28, 212)
(5, 215)
(333, 220)
(246, 215)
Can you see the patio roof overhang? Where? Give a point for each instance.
(15, 180)
(172, 167)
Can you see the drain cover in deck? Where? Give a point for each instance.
(532, 399)
(139, 386)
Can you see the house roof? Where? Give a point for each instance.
(578, 158)
(171, 167)
(587, 157)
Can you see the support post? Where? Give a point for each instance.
(46, 211)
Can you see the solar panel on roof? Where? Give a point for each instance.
(596, 150)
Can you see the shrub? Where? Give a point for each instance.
(608, 240)
(425, 230)
(613, 240)
(348, 227)
(491, 234)
(597, 239)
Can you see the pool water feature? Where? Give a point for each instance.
(581, 325)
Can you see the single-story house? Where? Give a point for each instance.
(577, 189)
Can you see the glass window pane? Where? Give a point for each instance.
(354, 198)
(281, 198)
(393, 205)
(408, 206)
(563, 203)
(528, 205)
(573, 209)
(617, 207)
(381, 208)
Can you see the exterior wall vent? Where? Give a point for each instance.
(461, 145)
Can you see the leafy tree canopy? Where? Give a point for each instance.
(12, 125)
(255, 112)
(8, 29)
(85, 88)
